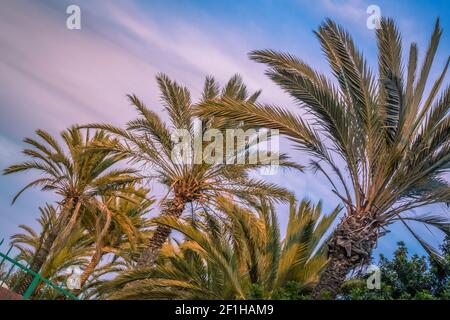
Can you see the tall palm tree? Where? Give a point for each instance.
(77, 174)
(227, 257)
(147, 141)
(382, 143)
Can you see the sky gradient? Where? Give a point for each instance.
(52, 77)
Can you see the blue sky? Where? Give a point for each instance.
(52, 77)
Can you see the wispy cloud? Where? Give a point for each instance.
(9, 151)
(56, 77)
(352, 10)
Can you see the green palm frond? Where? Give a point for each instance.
(222, 258)
(381, 140)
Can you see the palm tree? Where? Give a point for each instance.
(75, 253)
(77, 175)
(380, 141)
(147, 141)
(231, 255)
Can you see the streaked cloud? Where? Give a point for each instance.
(56, 77)
(9, 151)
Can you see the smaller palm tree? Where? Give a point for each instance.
(75, 172)
(75, 253)
(227, 257)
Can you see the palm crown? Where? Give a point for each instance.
(236, 253)
(147, 141)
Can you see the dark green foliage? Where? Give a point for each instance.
(256, 292)
(291, 291)
(405, 277)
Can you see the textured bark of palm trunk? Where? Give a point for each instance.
(151, 253)
(66, 230)
(41, 255)
(95, 260)
(350, 247)
(38, 260)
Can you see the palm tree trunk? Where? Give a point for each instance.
(101, 233)
(95, 260)
(39, 259)
(67, 230)
(350, 247)
(151, 253)
(42, 253)
(98, 254)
